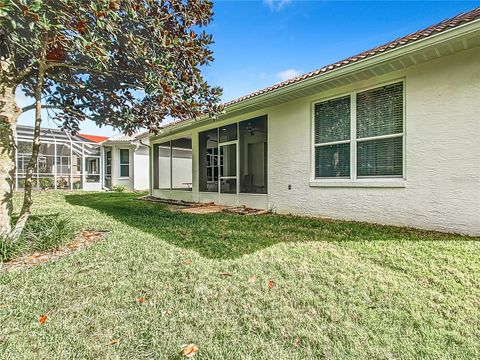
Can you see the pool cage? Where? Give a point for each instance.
(64, 161)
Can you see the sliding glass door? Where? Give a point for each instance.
(233, 159)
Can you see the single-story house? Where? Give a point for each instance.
(126, 161)
(388, 136)
(83, 161)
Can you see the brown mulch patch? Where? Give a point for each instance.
(203, 208)
(167, 201)
(85, 239)
(243, 210)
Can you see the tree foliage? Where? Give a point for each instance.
(124, 63)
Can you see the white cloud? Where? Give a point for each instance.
(276, 5)
(288, 74)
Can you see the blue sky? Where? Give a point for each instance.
(259, 43)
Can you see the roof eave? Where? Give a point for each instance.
(436, 39)
(114, 143)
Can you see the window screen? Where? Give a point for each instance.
(332, 120)
(332, 160)
(380, 111)
(228, 133)
(332, 125)
(181, 164)
(163, 154)
(253, 155)
(108, 162)
(380, 114)
(208, 160)
(382, 157)
(377, 145)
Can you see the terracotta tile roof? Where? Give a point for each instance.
(93, 138)
(442, 26)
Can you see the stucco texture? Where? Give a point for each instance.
(441, 185)
(442, 162)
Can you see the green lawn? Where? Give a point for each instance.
(342, 290)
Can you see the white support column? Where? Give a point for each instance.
(171, 170)
(195, 166)
(219, 182)
(237, 155)
(102, 162)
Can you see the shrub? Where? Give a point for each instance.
(40, 234)
(21, 183)
(10, 249)
(77, 185)
(62, 183)
(48, 232)
(46, 183)
(118, 188)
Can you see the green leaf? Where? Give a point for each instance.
(36, 5)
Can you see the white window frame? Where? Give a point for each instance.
(237, 159)
(354, 180)
(212, 166)
(123, 164)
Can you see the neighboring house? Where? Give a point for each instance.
(127, 161)
(87, 162)
(388, 136)
(64, 161)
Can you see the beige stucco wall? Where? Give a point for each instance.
(441, 189)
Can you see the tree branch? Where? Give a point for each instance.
(33, 106)
(78, 86)
(24, 73)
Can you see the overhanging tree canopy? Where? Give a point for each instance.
(125, 63)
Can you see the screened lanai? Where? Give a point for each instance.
(232, 158)
(64, 161)
(225, 164)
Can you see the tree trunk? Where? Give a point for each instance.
(8, 120)
(27, 196)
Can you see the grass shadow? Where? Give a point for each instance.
(226, 236)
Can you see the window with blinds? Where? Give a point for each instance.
(332, 138)
(380, 131)
(374, 148)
